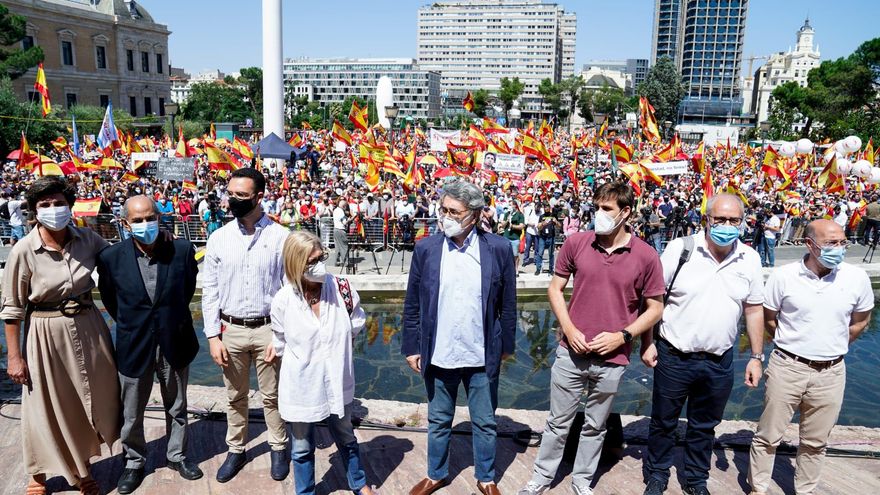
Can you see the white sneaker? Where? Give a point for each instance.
(533, 488)
(579, 490)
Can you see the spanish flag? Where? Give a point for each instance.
(468, 102)
(772, 166)
(219, 159)
(492, 127)
(129, 177)
(213, 132)
(240, 147)
(359, 117)
(545, 131)
(648, 122)
(477, 137)
(622, 152)
(26, 158)
(190, 186)
(86, 207)
(182, 148)
(830, 179)
(305, 125)
(296, 140)
(41, 87)
(340, 134)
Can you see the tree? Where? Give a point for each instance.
(216, 102)
(787, 107)
(550, 95)
(868, 54)
(585, 105)
(663, 88)
(481, 101)
(251, 80)
(609, 101)
(511, 89)
(24, 115)
(14, 61)
(570, 90)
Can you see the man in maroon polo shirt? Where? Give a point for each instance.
(616, 275)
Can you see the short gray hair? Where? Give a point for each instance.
(466, 192)
(152, 201)
(714, 199)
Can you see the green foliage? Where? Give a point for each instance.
(251, 79)
(570, 89)
(89, 118)
(481, 101)
(551, 95)
(610, 101)
(26, 116)
(663, 88)
(511, 89)
(868, 54)
(216, 102)
(585, 105)
(13, 60)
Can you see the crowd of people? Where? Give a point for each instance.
(270, 303)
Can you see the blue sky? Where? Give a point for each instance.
(225, 34)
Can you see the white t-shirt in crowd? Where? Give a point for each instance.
(772, 221)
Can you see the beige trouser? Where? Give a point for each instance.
(818, 396)
(246, 346)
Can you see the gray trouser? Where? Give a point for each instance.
(135, 394)
(570, 377)
(340, 240)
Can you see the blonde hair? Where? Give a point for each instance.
(297, 248)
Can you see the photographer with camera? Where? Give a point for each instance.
(767, 227)
(212, 219)
(650, 225)
(547, 226)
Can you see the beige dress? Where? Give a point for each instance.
(72, 404)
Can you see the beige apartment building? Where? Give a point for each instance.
(97, 51)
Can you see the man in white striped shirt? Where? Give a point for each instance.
(243, 270)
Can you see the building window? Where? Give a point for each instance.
(71, 99)
(66, 53)
(27, 42)
(148, 106)
(161, 107)
(132, 106)
(159, 63)
(129, 59)
(105, 100)
(100, 57)
(145, 62)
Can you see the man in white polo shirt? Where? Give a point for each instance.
(693, 354)
(813, 310)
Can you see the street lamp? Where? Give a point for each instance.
(171, 109)
(667, 124)
(765, 129)
(391, 114)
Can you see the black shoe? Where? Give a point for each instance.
(528, 262)
(696, 490)
(537, 271)
(188, 470)
(130, 480)
(655, 487)
(280, 467)
(233, 464)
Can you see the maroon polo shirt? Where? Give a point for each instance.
(608, 287)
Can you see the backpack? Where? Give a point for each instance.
(4, 210)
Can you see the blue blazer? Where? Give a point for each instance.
(499, 299)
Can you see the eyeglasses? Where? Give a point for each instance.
(838, 243)
(324, 257)
(734, 221)
(449, 211)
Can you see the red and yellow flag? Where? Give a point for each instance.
(86, 207)
(537, 148)
(545, 131)
(42, 88)
(182, 149)
(340, 134)
(648, 121)
(213, 132)
(190, 186)
(296, 140)
(772, 165)
(129, 177)
(240, 147)
(468, 102)
(830, 179)
(26, 158)
(219, 159)
(622, 152)
(359, 117)
(869, 151)
(492, 127)
(477, 137)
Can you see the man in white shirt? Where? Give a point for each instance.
(16, 219)
(693, 353)
(772, 227)
(340, 231)
(813, 310)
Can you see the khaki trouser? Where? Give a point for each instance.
(246, 346)
(818, 396)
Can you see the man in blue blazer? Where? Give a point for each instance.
(147, 282)
(459, 323)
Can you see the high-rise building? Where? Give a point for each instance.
(97, 51)
(476, 43)
(416, 91)
(782, 67)
(704, 38)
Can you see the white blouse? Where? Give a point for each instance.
(317, 367)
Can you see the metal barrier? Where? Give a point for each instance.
(195, 229)
(106, 226)
(325, 229)
(5, 231)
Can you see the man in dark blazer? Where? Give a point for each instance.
(147, 282)
(459, 323)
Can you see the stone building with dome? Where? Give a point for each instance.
(97, 51)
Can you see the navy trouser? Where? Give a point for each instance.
(705, 384)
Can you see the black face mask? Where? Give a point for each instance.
(241, 207)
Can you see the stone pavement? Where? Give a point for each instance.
(394, 458)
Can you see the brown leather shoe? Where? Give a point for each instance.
(488, 488)
(428, 486)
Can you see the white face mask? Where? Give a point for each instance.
(316, 273)
(54, 217)
(605, 223)
(452, 227)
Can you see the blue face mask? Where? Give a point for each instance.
(723, 235)
(145, 232)
(831, 256)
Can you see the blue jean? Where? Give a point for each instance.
(705, 384)
(531, 240)
(545, 243)
(482, 395)
(767, 250)
(303, 452)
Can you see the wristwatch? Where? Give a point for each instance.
(627, 337)
(759, 357)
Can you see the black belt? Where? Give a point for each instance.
(812, 363)
(69, 306)
(691, 355)
(246, 322)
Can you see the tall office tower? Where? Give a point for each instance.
(475, 43)
(704, 38)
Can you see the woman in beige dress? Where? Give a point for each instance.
(70, 395)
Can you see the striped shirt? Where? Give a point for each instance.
(242, 272)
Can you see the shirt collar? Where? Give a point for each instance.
(702, 244)
(805, 271)
(626, 247)
(468, 241)
(262, 223)
(37, 241)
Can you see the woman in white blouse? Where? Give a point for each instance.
(313, 325)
